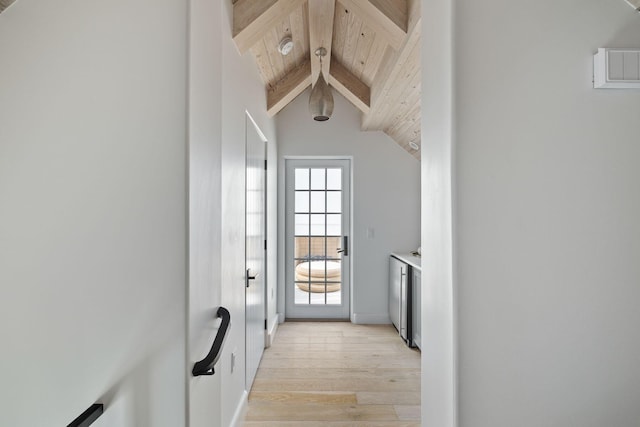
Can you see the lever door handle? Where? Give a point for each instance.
(249, 277)
(345, 246)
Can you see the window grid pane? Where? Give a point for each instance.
(334, 179)
(334, 201)
(301, 181)
(318, 201)
(302, 201)
(317, 214)
(318, 179)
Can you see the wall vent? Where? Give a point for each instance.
(616, 68)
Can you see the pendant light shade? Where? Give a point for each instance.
(321, 99)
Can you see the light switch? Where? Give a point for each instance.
(616, 68)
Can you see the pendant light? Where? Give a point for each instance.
(321, 99)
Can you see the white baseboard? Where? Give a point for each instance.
(272, 327)
(370, 318)
(280, 317)
(238, 416)
(417, 342)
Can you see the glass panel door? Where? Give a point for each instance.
(317, 236)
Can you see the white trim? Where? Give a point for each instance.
(272, 327)
(370, 318)
(255, 125)
(281, 316)
(241, 409)
(338, 311)
(439, 380)
(417, 342)
(318, 158)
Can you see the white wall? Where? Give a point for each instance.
(438, 296)
(547, 208)
(205, 164)
(385, 193)
(242, 91)
(93, 212)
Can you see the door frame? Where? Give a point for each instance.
(348, 310)
(250, 123)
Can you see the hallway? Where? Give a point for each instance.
(336, 374)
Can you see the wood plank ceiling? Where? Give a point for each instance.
(373, 56)
(5, 4)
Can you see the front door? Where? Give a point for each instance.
(255, 278)
(317, 227)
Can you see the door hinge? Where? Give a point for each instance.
(265, 164)
(265, 324)
(265, 244)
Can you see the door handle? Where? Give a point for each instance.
(205, 366)
(249, 277)
(344, 250)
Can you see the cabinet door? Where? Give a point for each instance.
(396, 270)
(416, 306)
(405, 327)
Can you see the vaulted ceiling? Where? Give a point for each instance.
(373, 56)
(4, 4)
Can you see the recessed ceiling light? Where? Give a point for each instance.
(286, 45)
(414, 145)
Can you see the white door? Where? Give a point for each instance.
(255, 249)
(317, 229)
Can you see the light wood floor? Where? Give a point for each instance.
(336, 374)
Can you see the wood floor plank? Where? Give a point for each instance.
(337, 363)
(408, 412)
(382, 356)
(336, 374)
(292, 334)
(286, 373)
(353, 363)
(331, 339)
(390, 398)
(315, 412)
(294, 397)
(335, 384)
(332, 424)
(371, 347)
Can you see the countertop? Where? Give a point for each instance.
(412, 260)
